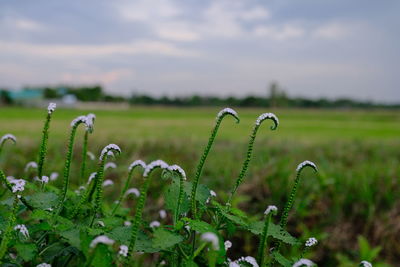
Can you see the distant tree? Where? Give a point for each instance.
(5, 97)
(50, 93)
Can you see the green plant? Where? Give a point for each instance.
(90, 118)
(6, 137)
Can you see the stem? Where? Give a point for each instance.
(43, 146)
(203, 159)
(84, 156)
(99, 188)
(180, 198)
(6, 237)
(263, 241)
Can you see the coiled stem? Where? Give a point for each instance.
(7, 233)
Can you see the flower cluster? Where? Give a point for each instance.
(154, 164)
(8, 137)
(265, 116)
(22, 229)
(271, 208)
(51, 108)
(304, 164)
(109, 148)
(211, 238)
(19, 185)
(102, 239)
(225, 111)
(311, 242)
(177, 168)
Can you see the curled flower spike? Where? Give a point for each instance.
(154, 164)
(137, 163)
(44, 264)
(6, 137)
(91, 155)
(365, 264)
(102, 239)
(123, 250)
(90, 122)
(110, 165)
(303, 262)
(227, 244)
(19, 185)
(270, 116)
(30, 165)
(304, 164)
(227, 111)
(250, 260)
(91, 177)
(311, 242)
(22, 229)
(133, 191)
(163, 214)
(51, 108)
(211, 238)
(108, 182)
(176, 168)
(155, 224)
(77, 120)
(53, 176)
(271, 208)
(109, 148)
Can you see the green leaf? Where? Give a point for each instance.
(43, 200)
(233, 218)
(73, 237)
(202, 192)
(171, 199)
(39, 214)
(164, 239)
(122, 234)
(200, 226)
(273, 230)
(281, 259)
(102, 256)
(52, 251)
(26, 251)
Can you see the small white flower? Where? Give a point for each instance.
(137, 163)
(178, 169)
(19, 185)
(43, 265)
(90, 155)
(270, 208)
(108, 182)
(154, 164)
(303, 262)
(212, 193)
(133, 191)
(10, 179)
(127, 223)
(154, 224)
(225, 111)
(90, 122)
(109, 148)
(22, 229)
(212, 238)
(32, 165)
(51, 108)
(77, 120)
(251, 260)
(234, 264)
(163, 214)
(103, 239)
(8, 137)
(45, 179)
(227, 244)
(265, 116)
(91, 177)
(53, 176)
(304, 164)
(366, 264)
(101, 223)
(311, 242)
(49, 209)
(123, 250)
(163, 262)
(109, 165)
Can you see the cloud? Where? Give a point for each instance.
(280, 33)
(147, 10)
(333, 31)
(103, 77)
(22, 24)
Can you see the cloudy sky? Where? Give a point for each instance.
(312, 48)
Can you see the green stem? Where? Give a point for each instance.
(180, 198)
(203, 158)
(84, 156)
(263, 241)
(7, 233)
(99, 188)
(43, 146)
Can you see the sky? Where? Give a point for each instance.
(311, 48)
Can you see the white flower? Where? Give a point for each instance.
(53, 176)
(8, 137)
(304, 164)
(234, 264)
(365, 264)
(225, 111)
(127, 223)
(154, 164)
(270, 208)
(163, 214)
(45, 179)
(123, 250)
(78, 120)
(302, 262)
(101, 223)
(22, 229)
(154, 224)
(133, 191)
(90, 155)
(137, 163)
(109, 148)
(43, 265)
(252, 261)
(31, 164)
(108, 182)
(109, 165)
(178, 169)
(212, 193)
(10, 179)
(103, 239)
(91, 177)
(19, 185)
(90, 122)
(265, 116)
(227, 244)
(311, 242)
(211, 238)
(51, 108)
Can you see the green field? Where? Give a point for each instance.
(357, 191)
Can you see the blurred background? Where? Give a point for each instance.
(156, 72)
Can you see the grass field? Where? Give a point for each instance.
(357, 191)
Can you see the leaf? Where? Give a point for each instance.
(26, 251)
(39, 214)
(102, 256)
(43, 200)
(73, 237)
(202, 192)
(200, 226)
(171, 199)
(122, 234)
(281, 259)
(231, 217)
(164, 239)
(273, 230)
